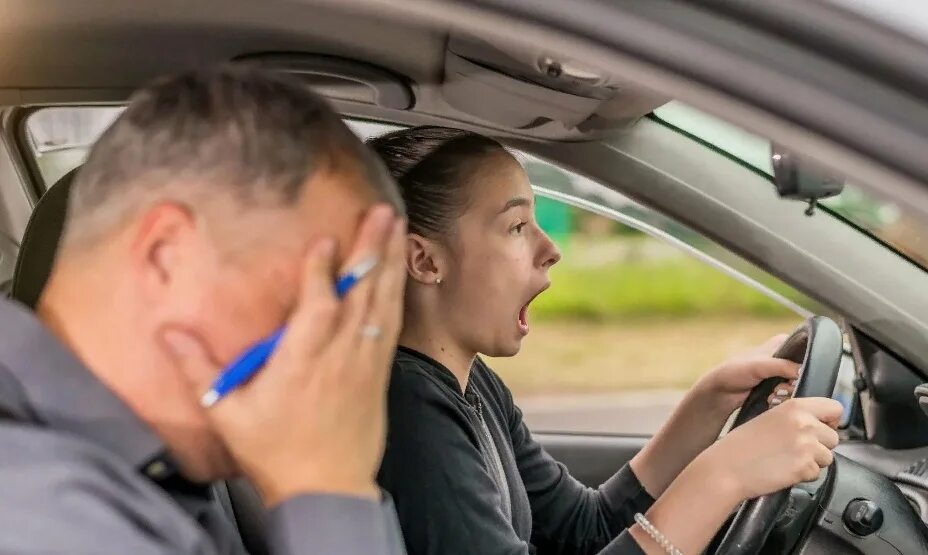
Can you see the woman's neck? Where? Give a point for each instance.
(444, 350)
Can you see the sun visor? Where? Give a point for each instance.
(521, 86)
(504, 100)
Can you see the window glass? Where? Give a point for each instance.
(886, 221)
(60, 137)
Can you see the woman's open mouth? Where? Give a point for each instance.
(523, 312)
(523, 320)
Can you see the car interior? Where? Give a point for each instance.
(592, 122)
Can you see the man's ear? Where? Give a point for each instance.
(422, 259)
(161, 242)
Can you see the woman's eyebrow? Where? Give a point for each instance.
(515, 202)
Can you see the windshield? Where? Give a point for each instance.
(904, 16)
(886, 221)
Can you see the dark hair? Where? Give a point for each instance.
(431, 165)
(247, 132)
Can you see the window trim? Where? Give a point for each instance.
(17, 137)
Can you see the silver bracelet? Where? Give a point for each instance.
(656, 535)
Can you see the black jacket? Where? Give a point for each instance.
(467, 477)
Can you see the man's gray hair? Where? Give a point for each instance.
(244, 133)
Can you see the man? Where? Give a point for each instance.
(217, 208)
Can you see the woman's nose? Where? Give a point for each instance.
(550, 254)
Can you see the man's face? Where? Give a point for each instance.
(234, 282)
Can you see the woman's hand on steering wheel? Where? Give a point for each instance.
(728, 385)
(768, 451)
(700, 417)
(788, 444)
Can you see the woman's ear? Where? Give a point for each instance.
(421, 259)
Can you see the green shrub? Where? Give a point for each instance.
(671, 287)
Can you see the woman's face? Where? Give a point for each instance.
(498, 260)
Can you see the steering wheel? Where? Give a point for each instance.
(817, 346)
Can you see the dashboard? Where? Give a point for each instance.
(871, 501)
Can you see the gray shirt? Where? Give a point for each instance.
(81, 473)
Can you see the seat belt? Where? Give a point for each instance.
(243, 507)
(250, 515)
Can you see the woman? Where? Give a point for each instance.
(463, 469)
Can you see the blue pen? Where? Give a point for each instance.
(252, 360)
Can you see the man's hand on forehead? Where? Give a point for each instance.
(329, 373)
(285, 287)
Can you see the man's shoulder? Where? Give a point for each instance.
(20, 326)
(30, 448)
(63, 494)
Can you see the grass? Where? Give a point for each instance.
(631, 287)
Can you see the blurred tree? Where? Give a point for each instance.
(861, 209)
(554, 217)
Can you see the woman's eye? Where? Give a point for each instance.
(517, 229)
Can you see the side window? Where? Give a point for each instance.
(60, 137)
(639, 308)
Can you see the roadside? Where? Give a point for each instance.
(622, 377)
(563, 357)
(640, 412)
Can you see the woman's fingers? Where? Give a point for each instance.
(823, 456)
(775, 368)
(781, 393)
(828, 436)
